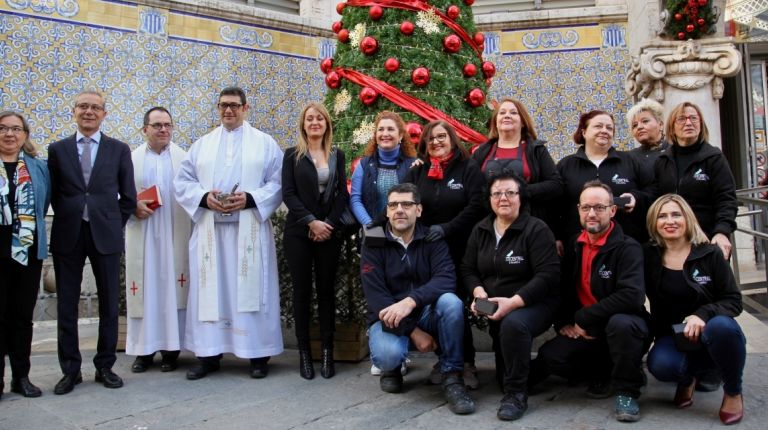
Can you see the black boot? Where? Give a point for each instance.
(306, 368)
(456, 394)
(328, 368)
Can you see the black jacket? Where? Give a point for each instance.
(617, 282)
(390, 273)
(707, 273)
(525, 262)
(707, 185)
(546, 185)
(456, 202)
(302, 196)
(647, 157)
(620, 171)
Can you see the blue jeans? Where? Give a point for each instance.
(443, 320)
(724, 348)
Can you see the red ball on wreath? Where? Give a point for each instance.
(469, 2)
(368, 96)
(488, 69)
(326, 65)
(337, 26)
(340, 7)
(333, 80)
(702, 3)
(391, 65)
(701, 22)
(479, 38)
(369, 45)
(681, 35)
(469, 70)
(692, 3)
(414, 130)
(452, 43)
(452, 11)
(689, 28)
(476, 97)
(420, 76)
(343, 35)
(406, 28)
(678, 16)
(375, 12)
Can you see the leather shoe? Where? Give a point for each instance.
(729, 418)
(259, 368)
(108, 378)
(391, 381)
(306, 369)
(327, 366)
(141, 364)
(24, 387)
(513, 406)
(67, 383)
(201, 369)
(169, 362)
(684, 395)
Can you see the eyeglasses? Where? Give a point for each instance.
(598, 208)
(161, 125)
(496, 195)
(234, 106)
(14, 130)
(440, 138)
(683, 119)
(406, 204)
(86, 106)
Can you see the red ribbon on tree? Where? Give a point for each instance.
(419, 5)
(412, 104)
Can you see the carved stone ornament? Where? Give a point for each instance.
(685, 65)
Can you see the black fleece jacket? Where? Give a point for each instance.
(525, 262)
(707, 185)
(616, 281)
(707, 273)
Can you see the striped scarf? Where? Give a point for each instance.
(24, 221)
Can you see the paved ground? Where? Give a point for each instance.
(229, 399)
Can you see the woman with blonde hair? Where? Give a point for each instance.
(315, 192)
(694, 300)
(646, 123)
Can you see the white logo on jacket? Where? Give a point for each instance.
(701, 279)
(619, 180)
(699, 175)
(604, 273)
(455, 185)
(514, 259)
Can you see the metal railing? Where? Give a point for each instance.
(758, 211)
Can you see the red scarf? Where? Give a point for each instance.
(437, 166)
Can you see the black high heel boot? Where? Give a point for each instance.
(328, 367)
(306, 368)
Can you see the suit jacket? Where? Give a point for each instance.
(110, 194)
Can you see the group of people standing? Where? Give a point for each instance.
(503, 232)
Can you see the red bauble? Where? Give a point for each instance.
(375, 12)
(689, 28)
(391, 65)
(702, 3)
(681, 35)
(340, 7)
(469, 2)
(476, 97)
(406, 28)
(479, 38)
(488, 69)
(368, 96)
(333, 80)
(369, 45)
(420, 76)
(452, 11)
(692, 3)
(326, 65)
(337, 26)
(678, 16)
(701, 22)
(414, 130)
(343, 35)
(452, 43)
(469, 70)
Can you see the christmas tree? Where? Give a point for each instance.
(420, 59)
(690, 19)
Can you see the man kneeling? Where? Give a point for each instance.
(409, 285)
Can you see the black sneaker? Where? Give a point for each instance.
(456, 394)
(391, 381)
(513, 406)
(598, 390)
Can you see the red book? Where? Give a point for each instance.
(153, 194)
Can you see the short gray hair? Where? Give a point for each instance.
(646, 105)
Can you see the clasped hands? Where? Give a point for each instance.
(235, 202)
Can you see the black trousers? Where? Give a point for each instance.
(305, 258)
(19, 287)
(615, 356)
(69, 277)
(512, 340)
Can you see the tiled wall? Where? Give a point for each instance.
(141, 57)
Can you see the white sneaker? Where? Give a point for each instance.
(375, 371)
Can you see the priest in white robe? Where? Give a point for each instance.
(230, 185)
(157, 254)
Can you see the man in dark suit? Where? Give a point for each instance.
(93, 195)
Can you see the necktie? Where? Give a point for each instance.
(85, 165)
